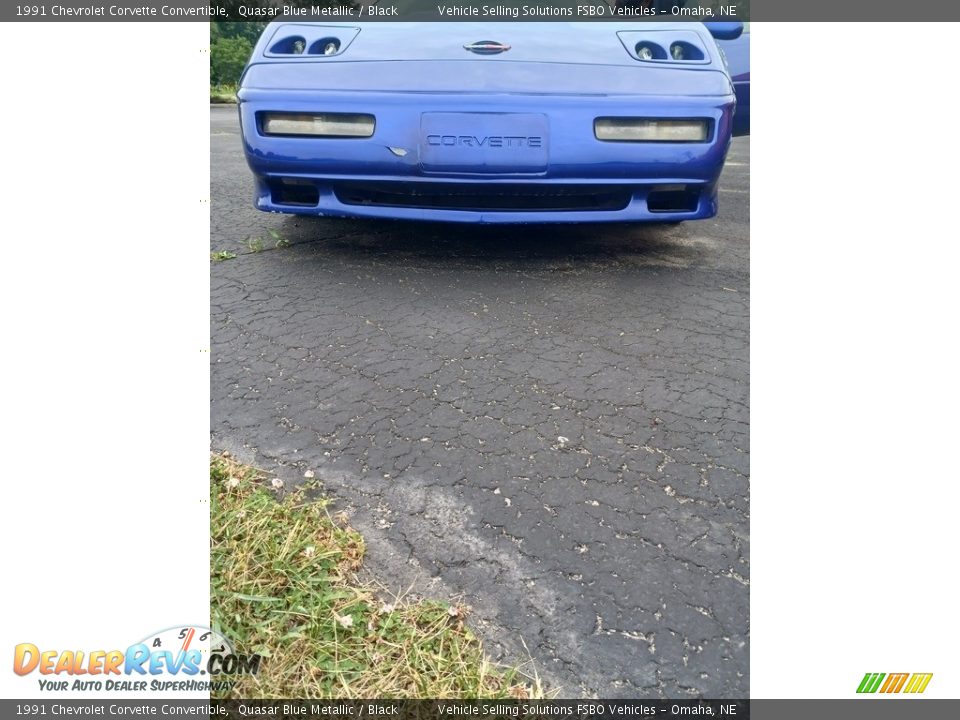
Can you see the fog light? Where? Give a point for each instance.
(650, 130)
(318, 125)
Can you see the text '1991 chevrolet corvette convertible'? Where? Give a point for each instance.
(488, 122)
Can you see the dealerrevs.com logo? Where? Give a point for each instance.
(183, 659)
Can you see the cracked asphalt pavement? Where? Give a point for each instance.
(549, 422)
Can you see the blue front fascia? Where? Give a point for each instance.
(555, 101)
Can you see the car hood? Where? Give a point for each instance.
(589, 43)
(549, 58)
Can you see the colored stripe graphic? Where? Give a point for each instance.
(894, 682)
(870, 682)
(918, 682)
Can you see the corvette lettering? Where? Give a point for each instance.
(493, 141)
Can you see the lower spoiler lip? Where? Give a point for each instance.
(485, 202)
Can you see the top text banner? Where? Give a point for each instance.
(473, 10)
(380, 10)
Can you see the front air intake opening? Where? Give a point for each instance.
(482, 196)
(679, 199)
(295, 192)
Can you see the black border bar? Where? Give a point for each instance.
(473, 10)
(874, 708)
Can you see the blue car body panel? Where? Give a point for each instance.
(420, 84)
(737, 54)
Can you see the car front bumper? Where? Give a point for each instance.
(392, 174)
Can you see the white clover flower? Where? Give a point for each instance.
(277, 483)
(233, 482)
(309, 551)
(345, 620)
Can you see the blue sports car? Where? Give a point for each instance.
(489, 122)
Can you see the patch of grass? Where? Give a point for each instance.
(283, 586)
(223, 94)
(222, 255)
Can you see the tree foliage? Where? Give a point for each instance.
(228, 56)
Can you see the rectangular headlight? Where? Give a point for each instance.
(344, 125)
(650, 130)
